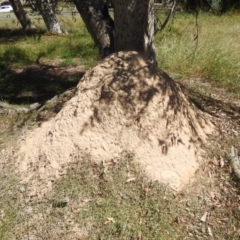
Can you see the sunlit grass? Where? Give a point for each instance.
(207, 49)
(20, 49)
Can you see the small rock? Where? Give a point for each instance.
(53, 99)
(22, 109)
(34, 106)
(3, 105)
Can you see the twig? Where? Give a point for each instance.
(169, 15)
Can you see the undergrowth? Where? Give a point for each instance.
(197, 48)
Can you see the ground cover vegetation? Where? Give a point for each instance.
(203, 59)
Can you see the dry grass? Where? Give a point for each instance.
(201, 50)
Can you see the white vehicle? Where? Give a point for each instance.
(6, 8)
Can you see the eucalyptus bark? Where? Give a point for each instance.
(21, 15)
(49, 17)
(134, 27)
(99, 24)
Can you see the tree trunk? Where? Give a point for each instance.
(49, 17)
(22, 17)
(134, 27)
(99, 24)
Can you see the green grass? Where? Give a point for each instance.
(115, 208)
(103, 204)
(22, 49)
(213, 56)
(9, 195)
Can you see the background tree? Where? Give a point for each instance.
(49, 17)
(21, 15)
(99, 24)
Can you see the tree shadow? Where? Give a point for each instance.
(13, 35)
(37, 83)
(212, 106)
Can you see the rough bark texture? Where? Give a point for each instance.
(22, 17)
(134, 27)
(99, 24)
(49, 17)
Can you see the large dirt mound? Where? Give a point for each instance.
(122, 104)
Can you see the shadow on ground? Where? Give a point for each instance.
(37, 83)
(13, 35)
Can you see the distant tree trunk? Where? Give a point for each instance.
(21, 15)
(49, 17)
(134, 27)
(99, 24)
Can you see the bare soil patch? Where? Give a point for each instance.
(39, 82)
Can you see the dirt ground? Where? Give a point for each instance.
(123, 104)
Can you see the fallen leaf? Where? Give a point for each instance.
(106, 222)
(204, 217)
(131, 179)
(221, 162)
(210, 231)
(139, 235)
(111, 220)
